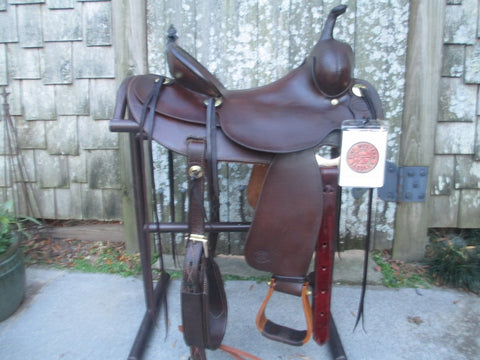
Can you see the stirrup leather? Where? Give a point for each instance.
(282, 333)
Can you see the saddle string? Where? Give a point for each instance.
(147, 123)
(171, 188)
(360, 314)
(212, 170)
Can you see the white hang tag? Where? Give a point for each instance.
(363, 154)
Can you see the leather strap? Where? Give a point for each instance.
(212, 172)
(238, 354)
(365, 262)
(324, 256)
(282, 333)
(204, 303)
(194, 278)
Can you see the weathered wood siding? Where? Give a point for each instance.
(420, 114)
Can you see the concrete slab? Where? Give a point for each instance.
(72, 316)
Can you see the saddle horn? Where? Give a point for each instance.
(327, 32)
(332, 60)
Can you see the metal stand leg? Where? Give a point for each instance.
(149, 318)
(335, 343)
(154, 296)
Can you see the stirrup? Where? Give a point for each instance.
(282, 333)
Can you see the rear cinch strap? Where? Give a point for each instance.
(282, 333)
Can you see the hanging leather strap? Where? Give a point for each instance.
(193, 281)
(212, 172)
(238, 354)
(361, 304)
(324, 256)
(204, 305)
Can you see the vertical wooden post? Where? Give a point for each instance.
(129, 27)
(424, 61)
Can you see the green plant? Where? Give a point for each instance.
(11, 225)
(399, 274)
(454, 259)
(107, 261)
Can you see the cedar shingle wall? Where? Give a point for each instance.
(456, 170)
(57, 61)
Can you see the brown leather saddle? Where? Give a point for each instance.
(277, 127)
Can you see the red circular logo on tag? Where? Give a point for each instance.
(362, 157)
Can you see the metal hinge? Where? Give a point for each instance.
(402, 184)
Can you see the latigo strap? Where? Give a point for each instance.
(324, 256)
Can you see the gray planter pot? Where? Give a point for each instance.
(12, 280)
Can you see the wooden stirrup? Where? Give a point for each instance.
(282, 333)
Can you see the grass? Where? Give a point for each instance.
(99, 257)
(398, 274)
(108, 262)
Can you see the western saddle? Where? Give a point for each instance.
(278, 128)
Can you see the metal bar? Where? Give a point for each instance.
(335, 343)
(183, 227)
(122, 125)
(138, 169)
(149, 318)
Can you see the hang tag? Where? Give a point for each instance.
(363, 155)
